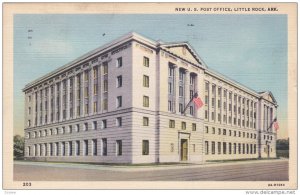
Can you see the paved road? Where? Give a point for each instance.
(272, 170)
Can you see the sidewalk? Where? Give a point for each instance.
(137, 168)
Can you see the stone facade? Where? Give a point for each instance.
(123, 103)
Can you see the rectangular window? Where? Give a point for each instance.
(213, 130)
(105, 85)
(183, 125)
(119, 81)
(234, 148)
(104, 147)
(94, 142)
(77, 128)
(105, 68)
(119, 101)
(145, 147)
(194, 127)
(229, 148)
(95, 72)
(145, 101)
(95, 108)
(171, 123)
(206, 86)
(146, 61)
(105, 104)
(224, 131)
(180, 91)
(219, 147)
(145, 121)
(180, 107)
(145, 81)
(192, 110)
(119, 121)
(86, 147)
(86, 127)
(70, 148)
(213, 150)
(119, 147)
(104, 124)
(77, 145)
(206, 129)
(95, 125)
(239, 148)
(63, 149)
(119, 62)
(206, 147)
(70, 128)
(224, 147)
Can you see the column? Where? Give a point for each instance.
(82, 98)
(68, 98)
(176, 89)
(187, 92)
(61, 101)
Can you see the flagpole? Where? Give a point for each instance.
(195, 95)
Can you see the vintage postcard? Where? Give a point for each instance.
(150, 96)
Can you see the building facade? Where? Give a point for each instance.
(124, 102)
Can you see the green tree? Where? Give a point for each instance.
(18, 147)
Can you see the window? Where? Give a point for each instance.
(224, 131)
(77, 128)
(77, 145)
(95, 72)
(95, 125)
(146, 61)
(181, 75)
(239, 148)
(95, 107)
(63, 149)
(219, 131)
(224, 147)
(119, 81)
(105, 68)
(119, 147)
(119, 121)
(145, 121)
(191, 110)
(145, 101)
(234, 148)
(206, 100)
(94, 142)
(213, 130)
(105, 85)
(86, 75)
(145, 81)
(213, 151)
(229, 148)
(229, 132)
(183, 125)
(171, 124)
(104, 146)
(194, 127)
(29, 110)
(119, 101)
(169, 106)
(119, 62)
(180, 91)
(86, 147)
(29, 98)
(70, 148)
(206, 86)
(145, 147)
(105, 104)
(104, 124)
(206, 147)
(180, 107)
(70, 128)
(29, 123)
(63, 130)
(219, 147)
(206, 129)
(86, 126)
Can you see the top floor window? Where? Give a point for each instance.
(214, 89)
(206, 86)
(181, 75)
(29, 98)
(119, 62)
(95, 72)
(146, 61)
(86, 75)
(171, 71)
(192, 80)
(105, 68)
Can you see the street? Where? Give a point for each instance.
(265, 170)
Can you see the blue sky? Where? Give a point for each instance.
(251, 49)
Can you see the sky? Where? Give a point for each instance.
(250, 49)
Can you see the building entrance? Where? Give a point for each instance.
(184, 150)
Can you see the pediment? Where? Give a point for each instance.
(185, 51)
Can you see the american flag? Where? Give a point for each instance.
(197, 101)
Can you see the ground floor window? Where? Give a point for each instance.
(206, 147)
(145, 147)
(213, 148)
(104, 147)
(94, 147)
(119, 147)
(219, 147)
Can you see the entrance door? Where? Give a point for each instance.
(184, 149)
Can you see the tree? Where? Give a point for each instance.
(18, 146)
